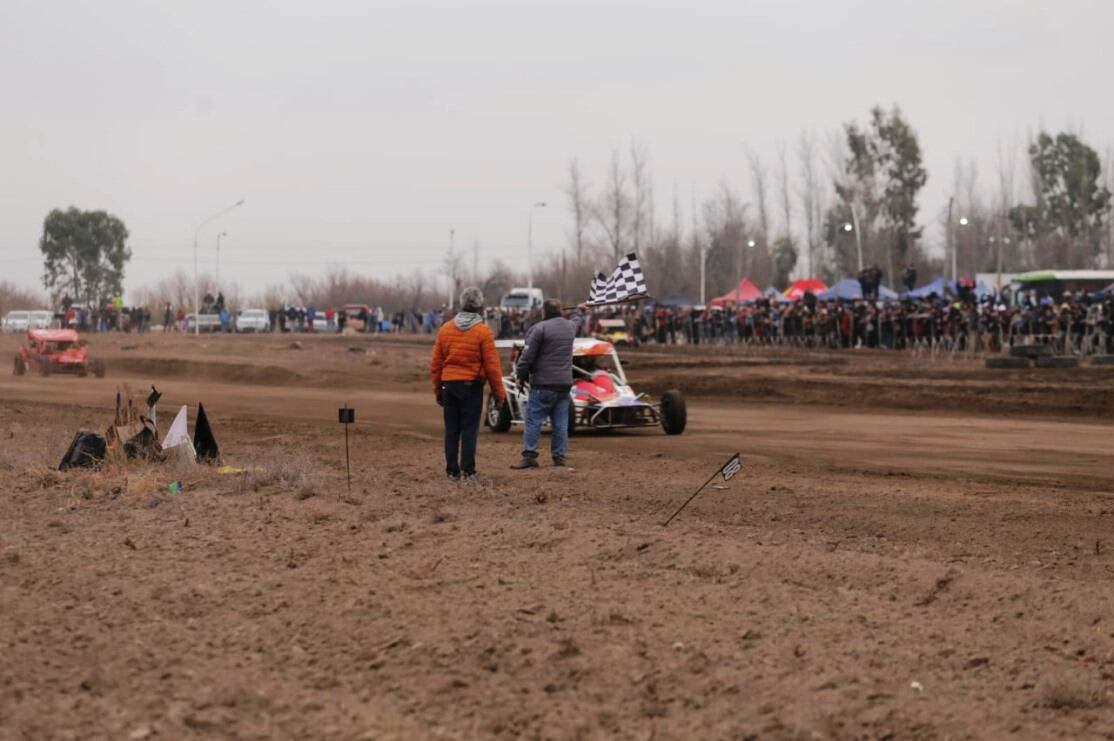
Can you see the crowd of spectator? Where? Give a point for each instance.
(1076, 323)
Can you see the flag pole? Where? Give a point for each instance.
(629, 300)
(710, 478)
(720, 472)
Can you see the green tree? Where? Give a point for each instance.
(899, 158)
(1072, 205)
(785, 259)
(882, 176)
(84, 253)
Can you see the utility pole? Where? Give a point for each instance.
(452, 269)
(949, 241)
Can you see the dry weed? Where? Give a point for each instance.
(1072, 693)
(285, 470)
(43, 477)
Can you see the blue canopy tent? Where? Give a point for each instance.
(939, 286)
(983, 291)
(775, 295)
(849, 289)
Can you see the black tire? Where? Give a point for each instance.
(44, 367)
(18, 369)
(498, 415)
(1058, 361)
(572, 417)
(1030, 351)
(98, 368)
(674, 414)
(1006, 361)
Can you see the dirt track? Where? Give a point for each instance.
(879, 569)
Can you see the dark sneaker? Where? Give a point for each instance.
(453, 476)
(526, 462)
(559, 461)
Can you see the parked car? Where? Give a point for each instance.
(41, 319)
(253, 320)
(209, 322)
(356, 316)
(16, 321)
(613, 331)
(48, 351)
(523, 298)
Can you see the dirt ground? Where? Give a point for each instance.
(916, 548)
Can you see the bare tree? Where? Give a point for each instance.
(1108, 180)
(812, 198)
(580, 207)
(758, 183)
(640, 180)
(612, 211)
(785, 192)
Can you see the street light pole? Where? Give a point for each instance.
(530, 244)
(219, 235)
(739, 273)
(955, 250)
(196, 279)
(858, 236)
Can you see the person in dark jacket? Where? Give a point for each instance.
(546, 363)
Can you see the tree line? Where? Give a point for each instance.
(826, 207)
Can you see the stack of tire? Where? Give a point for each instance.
(1025, 356)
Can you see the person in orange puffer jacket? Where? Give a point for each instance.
(464, 356)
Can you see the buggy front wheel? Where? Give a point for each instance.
(674, 415)
(498, 414)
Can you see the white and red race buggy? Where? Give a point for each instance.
(600, 397)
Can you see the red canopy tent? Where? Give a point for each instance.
(797, 291)
(746, 291)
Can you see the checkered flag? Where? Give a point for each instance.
(625, 284)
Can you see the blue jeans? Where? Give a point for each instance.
(541, 404)
(464, 402)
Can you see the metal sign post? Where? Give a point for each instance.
(347, 416)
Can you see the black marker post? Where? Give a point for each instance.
(346, 417)
(728, 472)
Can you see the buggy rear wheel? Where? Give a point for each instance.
(498, 415)
(18, 369)
(674, 414)
(98, 368)
(572, 417)
(44, 366)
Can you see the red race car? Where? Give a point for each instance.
(49, 351)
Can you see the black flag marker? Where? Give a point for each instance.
(204, 444)
(347, 416)
(727, 471)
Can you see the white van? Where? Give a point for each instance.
(523, 298)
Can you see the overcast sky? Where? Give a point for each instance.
(361, 132)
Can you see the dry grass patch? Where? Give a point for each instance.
(1073, 693)
(285, 470)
